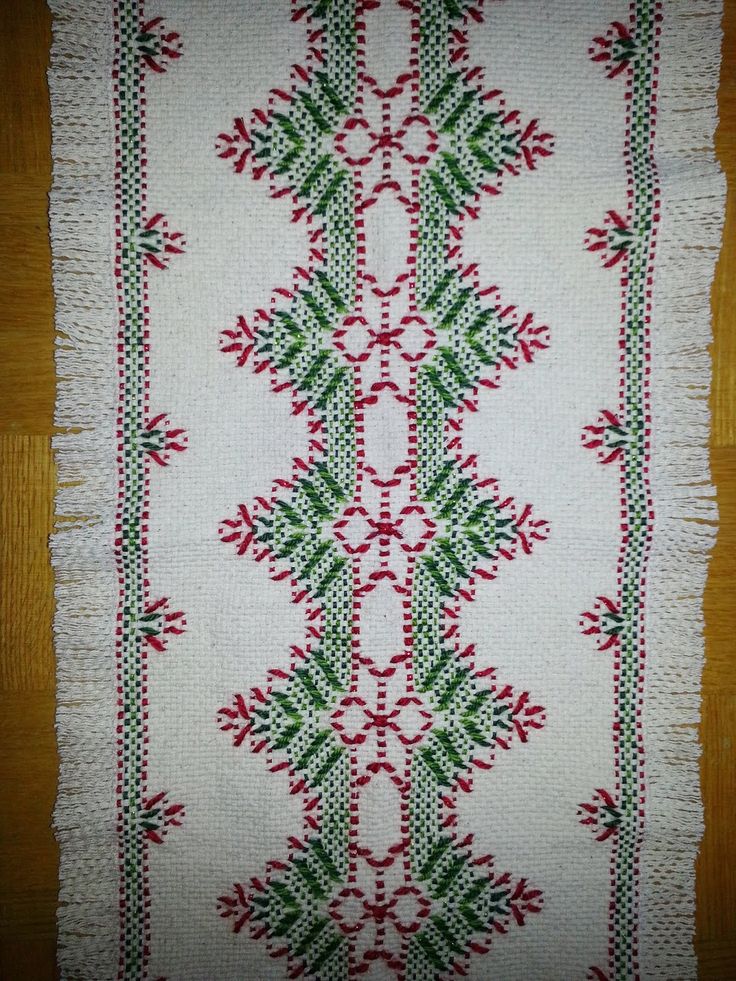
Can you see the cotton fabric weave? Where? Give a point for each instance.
(383, 338)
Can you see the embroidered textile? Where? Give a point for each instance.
(383, 354)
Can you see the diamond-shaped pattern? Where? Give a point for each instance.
(380, 749)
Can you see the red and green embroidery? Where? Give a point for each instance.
(339, 342)
(143, 623)
(627, 241)
(352, 725)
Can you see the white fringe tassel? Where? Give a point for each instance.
(81, 217)
(693, 193)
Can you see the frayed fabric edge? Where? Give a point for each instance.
(693, 197)
(82, 237)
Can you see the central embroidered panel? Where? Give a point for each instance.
(387, 141)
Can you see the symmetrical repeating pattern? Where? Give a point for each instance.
(385, 511)
(143, 620)
(631, 51)
(364, 354)
(385, 142)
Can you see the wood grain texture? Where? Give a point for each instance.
(28, 761)
(28, 855)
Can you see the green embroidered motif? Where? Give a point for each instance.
(298, 143)
(472, 341)
(294, 146)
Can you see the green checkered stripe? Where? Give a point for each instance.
(637, 498)
(132, 493)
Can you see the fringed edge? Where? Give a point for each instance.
(693, 195)
(82, 235)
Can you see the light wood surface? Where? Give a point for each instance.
(28, 854)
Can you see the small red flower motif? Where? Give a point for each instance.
(157, 46)
(524, 900)
(612, 240)
(157, 243)
(240, 530)
(530, 338)
(601, 815)
(615, 49)
(604, 622)
(158, 623)
(235, 907)
(159, 441)
(159, 815)
(533, 142)
(504, 147)
(239, 340)
(408, 720)
(606, 436)
(236, 146)
(361, 139)
(235, 719)
(519, 341)
(519, 718)
(518, 530)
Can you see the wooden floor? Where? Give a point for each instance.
(28, 854)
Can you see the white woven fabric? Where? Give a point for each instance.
(386, 335)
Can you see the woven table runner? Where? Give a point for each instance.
(384, 506)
